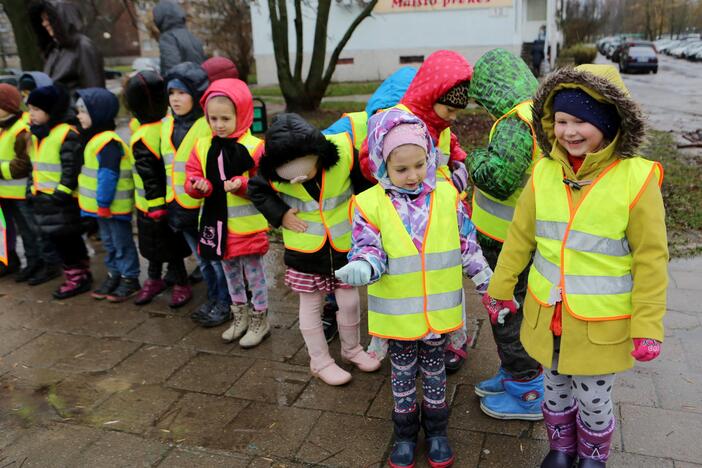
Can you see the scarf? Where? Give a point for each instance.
(226, 158)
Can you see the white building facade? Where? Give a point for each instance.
(403, 32)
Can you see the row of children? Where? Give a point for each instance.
(590, 216)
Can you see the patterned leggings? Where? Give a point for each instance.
(593, 393)
(409, 357)
(247, 269)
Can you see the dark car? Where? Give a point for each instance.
(629, 43)
(638, 58)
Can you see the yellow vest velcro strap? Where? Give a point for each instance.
(156, 202)
(92, 172)
(5, 170)
(48, 167)
(433, 261)
(239, 211)
(582, 241)
(414, 305)
(582, 284)
(505, 212)
(64, 189)
(119, 194)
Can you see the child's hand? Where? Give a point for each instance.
(498, 309)
(200, 185)
(232, 185)
(292, 222)
(356, 273)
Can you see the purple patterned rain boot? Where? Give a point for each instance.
(593, 447)
(562, 437)
(76, 281)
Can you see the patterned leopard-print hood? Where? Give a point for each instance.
(602, 82)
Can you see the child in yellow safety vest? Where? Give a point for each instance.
(106, 191)
(15, 166)
(592, 216)
(232, 233)
(58, 157)
(305, 184)
(412, 243)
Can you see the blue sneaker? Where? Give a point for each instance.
(520, 400)
(493, 385)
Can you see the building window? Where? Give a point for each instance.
(536, 10)
(345, 61)
(411, 59)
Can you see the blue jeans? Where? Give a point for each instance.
(121, 258)
(212, 271)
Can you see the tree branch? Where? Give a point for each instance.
(298, 40)
(319, 52)
(279, 31)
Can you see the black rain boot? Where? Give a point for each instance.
(13, 264)
(435, 424)
(406, 429)
(30, 270)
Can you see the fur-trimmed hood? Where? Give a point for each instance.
(602, 82)
(290, 137)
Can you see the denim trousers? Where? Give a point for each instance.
(212, 271)
(121, 254)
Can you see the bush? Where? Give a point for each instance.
(580, 53)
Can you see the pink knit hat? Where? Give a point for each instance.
(404, 134)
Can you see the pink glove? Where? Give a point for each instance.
(104, 212)
(646, 349)
(497, 309)
(157, 214)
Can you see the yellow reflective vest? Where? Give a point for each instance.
(491, 215)
(123, 202)
(582, 254)
(242, 216)
(175, 160)
(422, 291)
(46, 165)
(327, 217)
(150, 135)
(444, 145)
(3, 239)
(9, 187)
(134, 124)
(359, 127)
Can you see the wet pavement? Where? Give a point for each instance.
(88, 383)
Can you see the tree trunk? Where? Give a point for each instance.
(27, 48)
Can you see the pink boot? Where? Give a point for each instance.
(76, 281)
(151, 289)
(352, 351)
(322, 365)
(180, 296)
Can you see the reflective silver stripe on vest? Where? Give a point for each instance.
(496, 209)
(582, 241)
(583, 284)
(48, 167)
(443, 159)
(168, 159)
(414, 305)
(434, 261)
(241, 210)
(180, 189)
(141, 193)
(13, 182)
(119, 194)
(337, 201)
(298, 204)
(43, 186)
(336, 231)
(92, 172)
(179, 166)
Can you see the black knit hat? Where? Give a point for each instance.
(580, 104)
(457, 96)
(54, 100)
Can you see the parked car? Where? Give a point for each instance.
(603, 43)
(664, 49)
(630, 43)
(638, 58)
(679, 50)
(609, 49)
(692, 49)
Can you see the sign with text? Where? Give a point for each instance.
(401, 6)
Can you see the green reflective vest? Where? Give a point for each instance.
(9, 187)
(150, 135)
(582, 254)
(46, 170)
(175, 160)
(327, 217)
(123, 202)
(242, 216)
(359, 127)
(422, 291)
(491, 215)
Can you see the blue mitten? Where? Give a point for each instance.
(356, 273)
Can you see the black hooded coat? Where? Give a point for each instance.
(176, 43)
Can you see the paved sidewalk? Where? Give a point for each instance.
(86, 383)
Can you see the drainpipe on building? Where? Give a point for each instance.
(551, 34)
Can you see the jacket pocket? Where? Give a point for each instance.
(532, 310)
(609, 332)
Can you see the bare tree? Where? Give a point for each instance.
(27, 48)
(306, 93)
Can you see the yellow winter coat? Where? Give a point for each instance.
(595, 347)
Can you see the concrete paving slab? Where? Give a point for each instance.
(663, 433)
(466, 415)
(281, 346)
(46, 350)
(692, 346)
(674, 320)
(679, 391)
(152, 364)
(353, 398)
(186, 458)
(209, 373)
(55, 446)
(500, 451)
(271, 382)
(635, 386)
(269, 462)
(684, 300)
(163, 330)
(206, 340)
(13, 339)
(120, 450)
(77, 395)
(97, 355)
(628, 460)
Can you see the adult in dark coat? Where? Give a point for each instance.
(71, 58)
(176, 43)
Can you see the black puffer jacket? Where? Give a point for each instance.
(70, 56)
(59, 214)
(176, 43)
(193, 76)
(289, 138)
